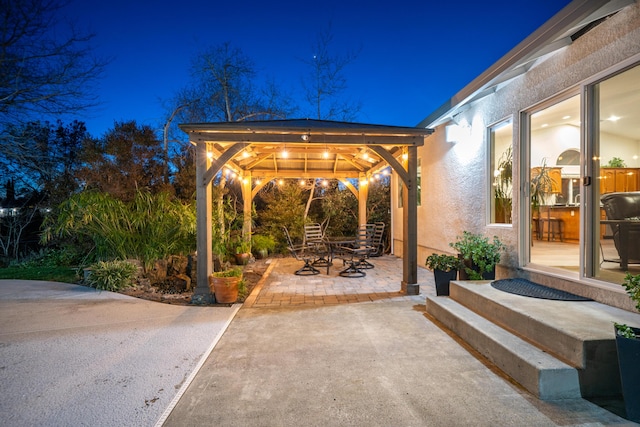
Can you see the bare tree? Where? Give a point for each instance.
(41, 73)
(46, 70)
(325, 83)
(324, 86)
(225, 89)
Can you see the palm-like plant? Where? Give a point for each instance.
(148, 228)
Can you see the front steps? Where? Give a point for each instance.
(554, 349)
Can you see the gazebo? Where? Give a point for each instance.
(260, 151)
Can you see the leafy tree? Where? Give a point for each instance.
(45, 177)
(127, 159)
(45, 69)
(284, 207)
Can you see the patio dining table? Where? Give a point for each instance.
(336, 242)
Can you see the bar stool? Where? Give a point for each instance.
(555, 226)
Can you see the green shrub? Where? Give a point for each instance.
(111, 275)
(443, 262)
(150, 227)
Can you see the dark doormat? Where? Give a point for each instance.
(528, 288)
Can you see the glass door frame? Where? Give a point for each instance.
(525, 178)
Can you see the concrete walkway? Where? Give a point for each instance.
(332, 351)
(74, 356)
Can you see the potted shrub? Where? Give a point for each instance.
(445, 269)
(479, 256)
(224, 284)
(243, 251)
(628, 347)
(262, 244)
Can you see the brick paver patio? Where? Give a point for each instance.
(281, 287)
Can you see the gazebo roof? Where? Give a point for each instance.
(305, 148)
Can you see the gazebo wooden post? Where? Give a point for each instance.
(410, 226)
(247, 199)
(201, 294)
(363, 194)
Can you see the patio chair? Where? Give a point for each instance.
(317, 245)
(378, 234)
(355, 256)
(301, 253)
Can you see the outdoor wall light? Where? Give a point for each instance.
(209, 155)
(457, 133)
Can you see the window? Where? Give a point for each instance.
(501, 167)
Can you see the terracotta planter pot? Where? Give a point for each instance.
(224, 288)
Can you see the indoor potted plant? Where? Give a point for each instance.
(224, 285)
(479, 256)
(445, 269)
(628, 347)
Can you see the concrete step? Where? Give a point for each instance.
(541, 374)
(579, 334)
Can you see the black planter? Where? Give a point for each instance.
(442, 281)
(629, 363)
(487, 275)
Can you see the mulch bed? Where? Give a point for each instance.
(253, 272)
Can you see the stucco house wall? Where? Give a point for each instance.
(454, 174)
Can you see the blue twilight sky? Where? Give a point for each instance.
(413, 55)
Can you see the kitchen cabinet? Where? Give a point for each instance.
(619, 180)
